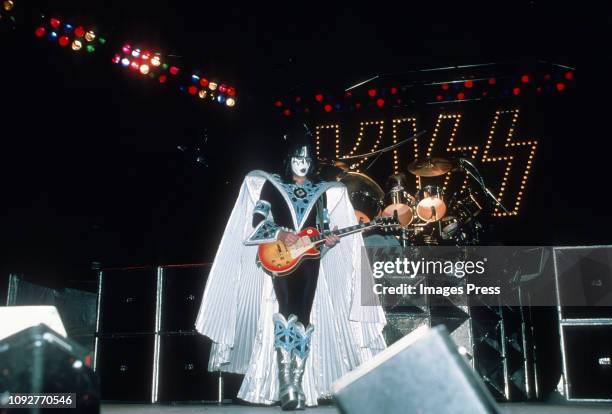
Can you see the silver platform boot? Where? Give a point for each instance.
(301, 350)
(284, 342)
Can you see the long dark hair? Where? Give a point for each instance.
(299, 137)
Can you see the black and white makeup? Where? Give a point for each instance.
(300, 166)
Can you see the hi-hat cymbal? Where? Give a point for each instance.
(430, 167)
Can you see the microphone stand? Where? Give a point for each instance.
(480, 181)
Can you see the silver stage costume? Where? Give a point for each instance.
(239, 301)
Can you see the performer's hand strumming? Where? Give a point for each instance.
(287, 237)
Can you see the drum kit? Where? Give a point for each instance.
(427, 215)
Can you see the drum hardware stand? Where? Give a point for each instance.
(480, 181)
(403, 232)
(532, 388)
(220, 391)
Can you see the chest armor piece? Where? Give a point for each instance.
(301, 196)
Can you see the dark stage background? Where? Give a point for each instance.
(89, 166)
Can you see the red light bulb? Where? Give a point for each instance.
(80, 31)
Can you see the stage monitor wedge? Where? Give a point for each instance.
(421, 373)
(39, 360)
(17, 318)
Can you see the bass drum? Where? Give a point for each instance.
(366, 196)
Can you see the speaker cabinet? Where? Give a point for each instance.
(584, 281)
(182, 287)
(588, 361)
(125, 367)
(183, 371)
(127, 301)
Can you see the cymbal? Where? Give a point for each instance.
(331, 170)
(334, 163)
(342, 165)
(430, 167)
(356, 182)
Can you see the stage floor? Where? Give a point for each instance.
(512, 408)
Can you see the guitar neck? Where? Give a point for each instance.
(343, 232)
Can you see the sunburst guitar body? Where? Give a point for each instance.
(278, 259)
(281, 260)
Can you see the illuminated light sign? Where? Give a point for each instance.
(509, 159)
(336, 128)
(498, 148)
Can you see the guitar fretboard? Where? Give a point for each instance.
(343, 232)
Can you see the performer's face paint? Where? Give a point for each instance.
(300, 166)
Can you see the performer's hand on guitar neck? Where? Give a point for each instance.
(287, 237)
(331, 240)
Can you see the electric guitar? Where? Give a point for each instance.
(278, 259)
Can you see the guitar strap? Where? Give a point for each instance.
(322, 224)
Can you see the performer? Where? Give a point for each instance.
(266, 327)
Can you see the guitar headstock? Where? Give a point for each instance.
(386, 223)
